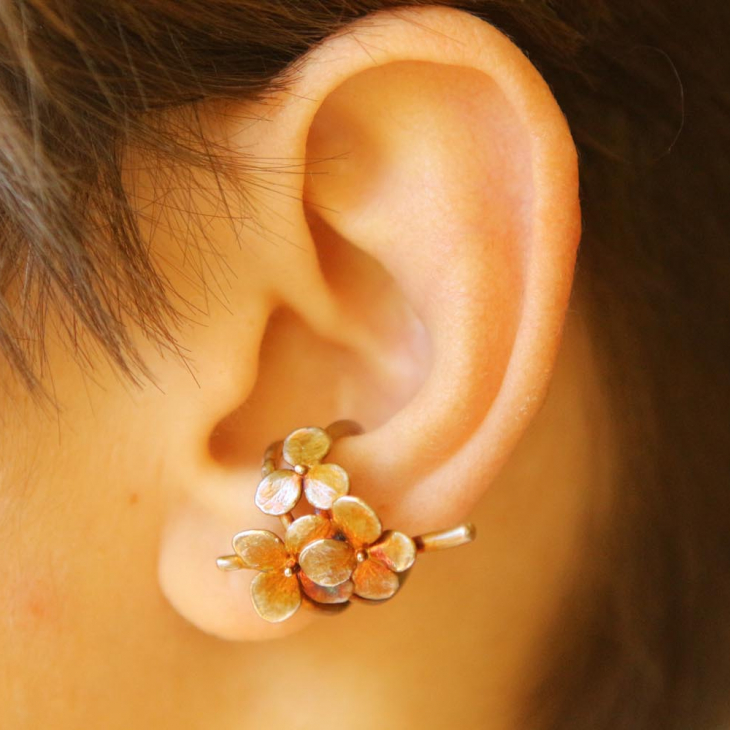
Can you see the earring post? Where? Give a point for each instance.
(445, 539)
(228, 563)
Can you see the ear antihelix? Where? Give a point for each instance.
(338, 554)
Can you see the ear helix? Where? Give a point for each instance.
(333, 555)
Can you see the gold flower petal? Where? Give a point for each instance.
(357, 520)
(275, 596)
(328, 562)
(304, 530)
(374, 581)
(324, 483)
(334, 594)
(260, 550)
(395, 550)
(279, 492)
(306, 446)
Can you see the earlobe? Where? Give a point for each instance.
(433, 242)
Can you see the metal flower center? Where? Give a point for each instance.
(291, 567)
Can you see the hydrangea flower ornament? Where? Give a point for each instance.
(335, 554)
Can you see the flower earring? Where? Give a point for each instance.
(337, 553)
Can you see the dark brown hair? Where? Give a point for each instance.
(645, 642)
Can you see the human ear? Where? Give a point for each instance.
(409, 266)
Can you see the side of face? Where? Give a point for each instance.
(403, 256)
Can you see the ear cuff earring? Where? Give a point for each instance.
(337, 553)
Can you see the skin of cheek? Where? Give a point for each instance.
(85, 491)
(32, 602)
(79, 597)
(85, 495)
(29, 585)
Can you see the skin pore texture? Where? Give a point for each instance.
(402, 254)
